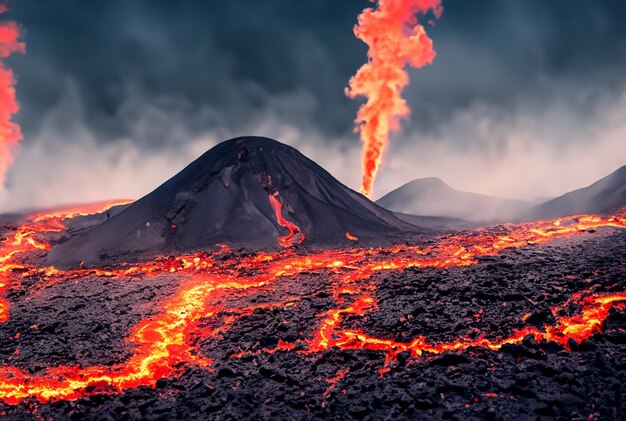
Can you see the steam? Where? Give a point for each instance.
(395, 39)
(528, 150)
(10, 133)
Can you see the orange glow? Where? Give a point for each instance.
(25, 240)
(395, 39)
(167, 341)
(334, 380)
(351, 237)
(294, 231)
(10, 133)
(81, 210)
(578, 327)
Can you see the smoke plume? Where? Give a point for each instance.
(395, 39)
(10, 133)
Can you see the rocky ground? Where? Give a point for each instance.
(85, 322)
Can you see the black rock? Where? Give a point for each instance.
(162, 383)
(225, 372)
(449, 359)
(540, 316)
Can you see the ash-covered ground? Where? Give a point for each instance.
(85, 322)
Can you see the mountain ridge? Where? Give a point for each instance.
(431, 196)
(604, 196)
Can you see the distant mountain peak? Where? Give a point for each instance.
(432, 182)
(431, 196)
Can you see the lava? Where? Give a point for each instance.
(10, 133)
(70, 212)
(395, 38)
(25, 240)
(595, 308)
(165, 342)
(294, 231)
(161, 344)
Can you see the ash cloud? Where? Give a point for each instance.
(520, 101)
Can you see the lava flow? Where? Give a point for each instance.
(167, 341)
(25, 239)
(294, 231)
(595, 309)
(395, 38)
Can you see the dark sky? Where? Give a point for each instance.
(236, 55)
(223, 67)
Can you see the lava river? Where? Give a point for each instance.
(164, 343)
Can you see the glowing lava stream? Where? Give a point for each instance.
(24, 240)
(160, 344)
(294, 230)
(579, 327)
(165, 341)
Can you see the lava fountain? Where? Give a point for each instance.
(10, 133)
(395, 38)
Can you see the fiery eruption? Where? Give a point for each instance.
(165, 342)
(395, 38)
(10, 133)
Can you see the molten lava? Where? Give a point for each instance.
(294, 231)
(24, 240)
(10, 133)
(395, 38)
(164, 343)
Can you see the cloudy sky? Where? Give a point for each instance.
(526, 98)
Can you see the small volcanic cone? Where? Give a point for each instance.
(247, 192)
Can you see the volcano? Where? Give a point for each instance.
(519, 320)
(249, 192)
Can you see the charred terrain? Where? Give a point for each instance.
(332, 307)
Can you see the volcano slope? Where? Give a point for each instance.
(250, 192)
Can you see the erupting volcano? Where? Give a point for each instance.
(255, 285)
(327, 302)
(247, 192)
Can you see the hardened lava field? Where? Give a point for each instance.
(519, 320)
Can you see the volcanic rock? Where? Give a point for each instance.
(526, 380)
(225, 197)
